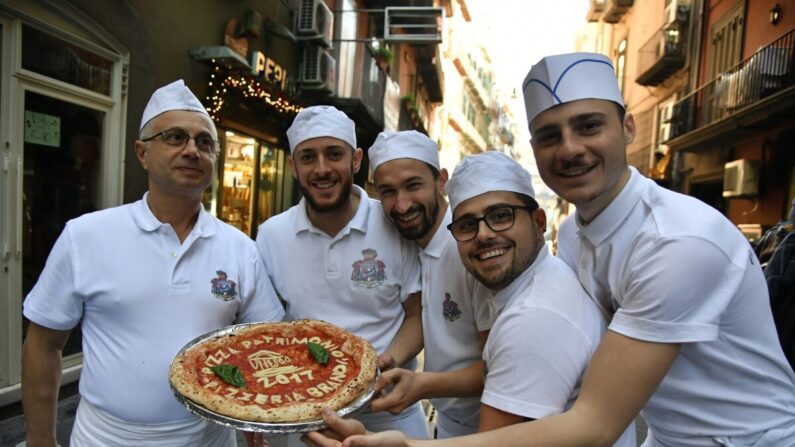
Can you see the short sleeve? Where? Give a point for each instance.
(676, 292)
(261, 303)
(54, 301)
(531, 373)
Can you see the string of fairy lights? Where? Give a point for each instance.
(248, 87)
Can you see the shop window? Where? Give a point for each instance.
(253, 183)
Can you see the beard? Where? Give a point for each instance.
(342, 199)
(498, 279)
(426, 221)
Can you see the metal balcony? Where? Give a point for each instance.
(360, 91)
(759, 90)
(663, 54)
(615, 9)
(596, 10)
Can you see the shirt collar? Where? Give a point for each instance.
(146, 220)
(358, 222)
(441, 238)
(521, 283)
(612, 217)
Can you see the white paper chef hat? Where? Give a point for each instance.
(390, 145)
(487, 172)
(174, 96)
(321, 121)
(568, 77)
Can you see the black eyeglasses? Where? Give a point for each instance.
(178, 139)
(497, 219)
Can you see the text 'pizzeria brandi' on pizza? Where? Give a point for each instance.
(276, 372)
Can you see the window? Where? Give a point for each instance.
(726, 42)
(621, 63)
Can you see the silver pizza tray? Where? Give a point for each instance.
(262, 427)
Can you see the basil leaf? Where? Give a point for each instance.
(318, 352)
(230, 374)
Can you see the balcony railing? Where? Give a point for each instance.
(360, 81)
(766, 72)
(663, 54)
(615, 9)
(596, 10)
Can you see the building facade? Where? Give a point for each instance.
(76, 75)
(710, 83)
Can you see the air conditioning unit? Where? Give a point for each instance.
(676, 10)
(318, 70)
(741, 178)
(315, 22)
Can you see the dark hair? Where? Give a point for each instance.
(434, 171)
(527, 200)
(622, 112)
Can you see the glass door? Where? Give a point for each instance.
(238, 180)
(61, 171)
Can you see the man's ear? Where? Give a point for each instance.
(540, 218)
(629, 128)
(357, 159)
(291, 162)
(140, 152)
(443, 178)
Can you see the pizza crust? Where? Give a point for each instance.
(268, 395)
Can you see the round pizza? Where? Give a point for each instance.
(275, 372)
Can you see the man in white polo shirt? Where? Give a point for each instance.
(336, 257)
(142, 280)
(455, 317)
(546, 327)
(692, 341)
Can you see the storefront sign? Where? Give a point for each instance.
(42, 129)
(270, 70)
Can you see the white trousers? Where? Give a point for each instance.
(94, 427)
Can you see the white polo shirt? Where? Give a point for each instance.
(454, 310)
(674, 270)
(545, 331)
(140, 295)
(357, 279)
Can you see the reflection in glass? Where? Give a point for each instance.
(61, 60)
(61, 179)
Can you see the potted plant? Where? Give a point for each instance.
(383, 56)
(410, 102)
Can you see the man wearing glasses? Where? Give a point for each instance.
(142, 280)
(546, 328)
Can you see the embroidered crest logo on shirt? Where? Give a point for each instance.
(368, 272)
(222, 287)
(450, 308)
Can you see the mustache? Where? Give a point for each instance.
(488, 245)
(574, 164)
